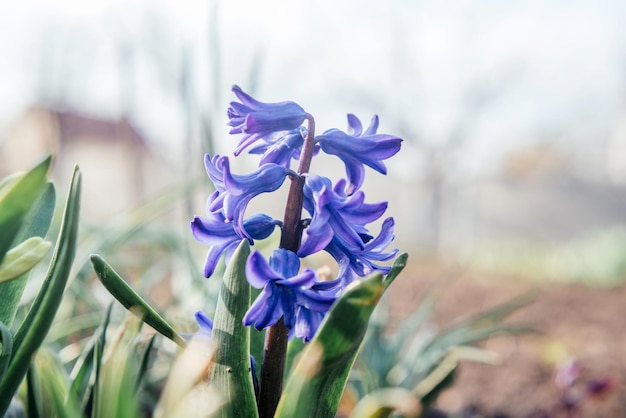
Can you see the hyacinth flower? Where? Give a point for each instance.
(285, 291)
(293, 302)
(282, 147)
(357, 148)
(359, 262)
(222, 238)
(204, 323)
(234, 192)
(256, 119)
(336, 215)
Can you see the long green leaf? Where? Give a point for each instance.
(125, 294)
(35, 224)
(6, 339)
(318, 380)
(55, 384)
(35, 327)
(84, 367)
(231, 369)
(145, 361)
(294, 348)
(118, 374)
(34, 397)
(16, 198)
(482, 325)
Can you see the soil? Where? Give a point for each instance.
(574, 323)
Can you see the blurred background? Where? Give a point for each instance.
(513, 115)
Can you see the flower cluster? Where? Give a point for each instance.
(338, 215)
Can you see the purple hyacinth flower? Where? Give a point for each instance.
(335, 214)
(234, 192)
(307, 323)
(308, 320)
(222, 238)
(256, 119)
(357, 148)
(281, 147)
(205, 323)
(359, 262)
(284, 290)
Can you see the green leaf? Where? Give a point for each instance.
(231, 369)
(22, 258)
(34, 329)
(6, 339)
(442, 375)
(398, 265)
(118, 374)
(35, 224)
(84, 367)
(34, 397)
(384, 402)
(318, 380)
(124, 294)
(145, 361)
(483, 325)
(54, 384)
(16, 197)
(422, 357)
(294, 348)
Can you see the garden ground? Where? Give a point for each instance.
(574, 322)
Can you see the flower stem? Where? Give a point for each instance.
(292, 225)
(275, 350)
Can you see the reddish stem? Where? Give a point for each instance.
(275, 352)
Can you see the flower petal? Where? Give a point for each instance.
(258, 271)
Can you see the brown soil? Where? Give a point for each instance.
(574, 323)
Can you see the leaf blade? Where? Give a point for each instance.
(131, 300)
(315, 387)
(231, 371)
(33, 330)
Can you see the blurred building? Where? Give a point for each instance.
(114, 156)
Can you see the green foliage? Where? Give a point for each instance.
(34, 328)
(6, 339)
(28, 201)
(418, 359)
(18, 194)
(231, 374)
(108, 372)
(315, 387)
(383, 403)
(119, 289)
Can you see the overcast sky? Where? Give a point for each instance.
(497, 74)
